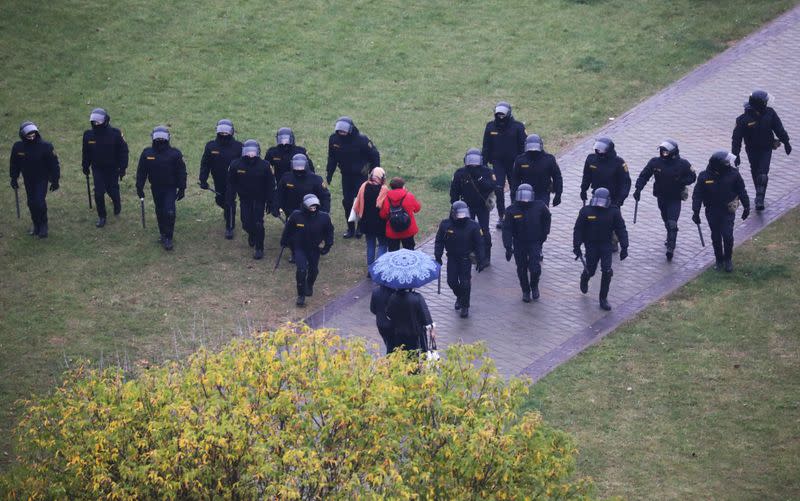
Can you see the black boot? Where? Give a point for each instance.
(311, 278)
(351, 230)
(464, 311)
(535, 287)
(258, 254)
(457, 306)
(167, 243)
(584, 282)
(42, 230)
(117, 207)
(719, 265)
(605, 282)
(728, 266)
(526, 297)
(301, 301)
(100, 222)
(251, 240)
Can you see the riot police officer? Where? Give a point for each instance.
(525, 230)
(460, 236)
(503, 141)
(474, 183)
(163, 166)
(304, 231)
(720, 188)
(280, 156)
(36, 160)
(217, 157)
(539, 169)
(756, 126)
(605, 169)
(672, 176)
(251, 179)
(355, 156)
(106, 153)
(593, 228)
(296, 184)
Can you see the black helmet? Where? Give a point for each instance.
(534, 143)
(309, 201)
(160, 133)
(99, 116)
(601, 198)
(473, 157)
(524, 193)
(225, 126)
(26, 128)
(459, 210)
(603, 145)
(722, 158)
(502, 107)
(668, 148)
(343, 124)
(759, 99)
(299, 162)
(251, 148)
(285, 135)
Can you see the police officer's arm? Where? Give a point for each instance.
(455, 188)
(181, 172)
(698, 192)
(14, 165)
(310, 163)
(586, 180)
(486, 183)
(86, 160)
(331, 167)
(513, 177)
(122, 155)
(741, 191)
(280, 194)
(372, 154)
(623, 182)
(288, 229)
(329, 234)
(546, 220)
(324, 196)
(577, 231)
(230, 183)
(141, 173)
(508, 230)
(205, 164)
(619, 228)
(688, 176)
(53, 167)
(521, 137)
(438, 247)
(269, 181)
(777, 128)
(738, 135)
(558, 181)
(645, 176)
(486, 149)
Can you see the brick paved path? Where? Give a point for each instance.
(699, 112)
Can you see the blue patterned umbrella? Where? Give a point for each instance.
(404, 269)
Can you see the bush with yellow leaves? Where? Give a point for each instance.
(293, 414)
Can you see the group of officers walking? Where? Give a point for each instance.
(284, 179)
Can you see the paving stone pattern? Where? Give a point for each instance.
(699, 112)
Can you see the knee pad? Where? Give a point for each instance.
(672, 225)
(609, 273)
(763, 179)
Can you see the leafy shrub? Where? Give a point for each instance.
(293, 414)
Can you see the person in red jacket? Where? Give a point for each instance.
(398, 210)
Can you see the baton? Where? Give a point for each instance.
(16, 199)
(635, 211)
(209, 189)
(583, 262)
(700, 232)
(278, 261)
(439, 283)
(141, 204)
(88, 191)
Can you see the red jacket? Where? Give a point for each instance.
(411, 206)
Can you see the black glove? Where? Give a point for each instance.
(325, 250)
(204, 185)
(637, 195)
(787, 148)
(14, 184)
(482, 266)
(86, 171)
(509, 253)
(140, 193)
(438, 260)
(275, 211)
(329, 178)
(181, 193)
(737, 161)
(121, 175)
(557, 200)
(623, 253)
(583, 196)
(745, 213)
(696, 218)
(54, 186)
(577, 252)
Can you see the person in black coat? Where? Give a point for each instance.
(595, 225)
(720, 188)
(304, 231)
(355, 155)
(605, 169)
(296, 184)
(460, 237)
(370, 222)
(539, 169)
(409, 316)
(503, 141)
(525, 230)
(217, 157)
(251, 179)
(474, 183)
(36, 160)
(105, 152)
(673, 175)
(163, 166)
(377, 305)
(756, 127)
(280, 156)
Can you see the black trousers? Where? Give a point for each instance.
(529, 268)
(164, 198)
(350, 185)
(481, 213)
(106, 181)
(502, 169)
(721, 224)
(598, 253)
(670, 212)
(393, 244)
(759, 170)
(459, 278)
(229, 209)
(36, 193)
(307, 262)
(253, 220)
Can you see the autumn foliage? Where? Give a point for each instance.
(293, 414)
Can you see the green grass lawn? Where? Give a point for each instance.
(699, 396)
(419, 77)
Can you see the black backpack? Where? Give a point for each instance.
(399, 219)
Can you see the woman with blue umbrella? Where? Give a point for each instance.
(406, 310)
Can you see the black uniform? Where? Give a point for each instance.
(217, 157)
(503, 141)
(163, 166)
(717, 187)
(473, 185)
(672, 176)
(37, 162)
(354, 155)
(525, 229)
(106, 153)
(293, 186)
(756, 127)
(251, 179)
(540, 170)
(280, 159)
(408, 313)
(460, 238)
(607, 171)
(594, 229)
(303, 232)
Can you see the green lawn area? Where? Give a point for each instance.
(420, 78)
(699, 396)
